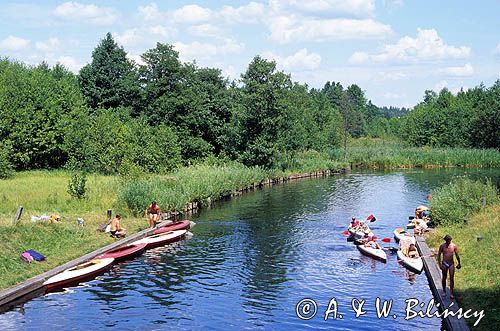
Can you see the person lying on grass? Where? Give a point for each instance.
(447, 249)
(154, 213)
(116, 230)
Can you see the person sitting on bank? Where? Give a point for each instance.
(154, 213)
(373, 243)
(419, 210)
(116, 229)
(447, 249)
(412, 251)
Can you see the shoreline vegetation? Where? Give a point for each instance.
(477, 285)
(45, 192)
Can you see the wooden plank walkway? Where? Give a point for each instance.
(33, 287)
(433, 272)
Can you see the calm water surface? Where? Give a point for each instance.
(252, 259)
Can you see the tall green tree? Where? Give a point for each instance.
(110, 80)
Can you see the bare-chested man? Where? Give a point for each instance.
(447, 250)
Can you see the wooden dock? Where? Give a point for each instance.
(433, 272)
(33, 287)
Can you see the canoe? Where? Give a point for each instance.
(161, 239)
(400, 234)
(377, 254)
(124, 252)
(78, 274)
(180, 225)
(412, 264)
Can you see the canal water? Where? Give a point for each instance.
(254, 258)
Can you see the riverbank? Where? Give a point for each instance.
(477, 285)
(376, 153)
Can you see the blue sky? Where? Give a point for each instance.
(393, 49)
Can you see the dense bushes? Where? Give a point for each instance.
(469, 119)
(460, 198)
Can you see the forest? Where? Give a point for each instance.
(116, 116)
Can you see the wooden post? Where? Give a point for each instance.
(109, 213)
(483, 201)
(18, 215)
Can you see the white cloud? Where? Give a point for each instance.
(325, 8)
(48, 46)
(301, 60)
(192, 14)
(250, 13)
(440, 85)
(392, 96)
(426, 46)
(197, 50)
(497, 50)
(286, 29)
(465, 70)
(70, 63)
(75, 11)
(150, 12)
(144, 35)
(205, 30)
(12, 43)
(392, 75)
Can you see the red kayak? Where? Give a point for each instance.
(124, 252)
(177, 225)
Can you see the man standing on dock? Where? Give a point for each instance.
(447, 249)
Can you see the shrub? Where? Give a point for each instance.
(76, 185)
(6, 169)
(463, 196)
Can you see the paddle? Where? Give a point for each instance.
(371, 218)
(386, 240)
(345, 233)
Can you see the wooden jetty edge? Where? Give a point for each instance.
(433, 272)
(33, 287)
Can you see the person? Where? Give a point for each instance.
(447, 249)
(412, 251)
(419, 210)
(420, 226)
(116, 229)
(154, 213)
(373, 243)
(367, 236)
(354, 223)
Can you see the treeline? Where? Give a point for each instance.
(469, 119)
(116, 116)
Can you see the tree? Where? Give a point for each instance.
(110, 80)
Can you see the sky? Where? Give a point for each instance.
(393, 49)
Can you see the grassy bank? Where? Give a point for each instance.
(380, 153)
(44, 192)
(477, 284)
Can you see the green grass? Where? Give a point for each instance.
(477, 285)
(380, 153)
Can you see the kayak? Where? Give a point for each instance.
(377, 254)
(412, 264)
(411, 225)
(400, 234)
(179, 225)
(161, 239)
(124, 252)
(78, 274)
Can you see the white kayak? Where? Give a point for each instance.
(79, 273)
(161, 239)
(412, 264)
(374, 253)
(400, 234)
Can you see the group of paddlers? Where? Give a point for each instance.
(153, 211)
